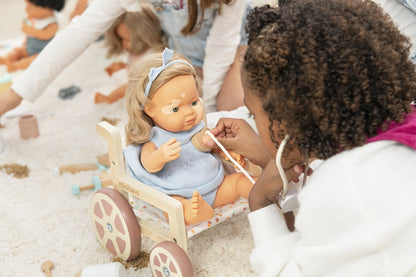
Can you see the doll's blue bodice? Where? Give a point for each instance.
(192, 171)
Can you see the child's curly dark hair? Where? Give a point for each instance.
(331, 73)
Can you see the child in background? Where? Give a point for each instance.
(40, 26)
(164, 138)
(332, 80)
(137, 34)
(207, 32)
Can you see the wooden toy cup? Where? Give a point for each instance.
(28, 126)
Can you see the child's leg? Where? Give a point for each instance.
(195, 210)
(231, 94)
(233, 186)
(112, 97)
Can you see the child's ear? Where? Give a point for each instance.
(149, 109)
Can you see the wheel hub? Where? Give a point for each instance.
(166, 271)
(109, 227)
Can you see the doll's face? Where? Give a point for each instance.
(176, 106)
(37, 11)
(124, 34)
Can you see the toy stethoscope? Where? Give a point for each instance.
(287, 200)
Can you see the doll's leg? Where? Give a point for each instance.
(233, 186)
(231, 94)
(112, 97)
(16, 54)
(20, 64)
(195, 209)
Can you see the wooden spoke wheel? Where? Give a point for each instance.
(167, 259)
(115, 224)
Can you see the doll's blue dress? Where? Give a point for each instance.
(192, 171)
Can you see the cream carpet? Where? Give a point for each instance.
(41, 220)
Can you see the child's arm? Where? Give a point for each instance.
(154, 159)
(43, 34)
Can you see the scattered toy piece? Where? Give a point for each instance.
(104, 160)
(97, 183)
(47, 268)
(103, 270)
(69, 92)
(17, 170)
(5, 82)
(141, 262)
(113, 121)
(28, 126)
(74, 168)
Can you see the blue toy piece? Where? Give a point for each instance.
(96, 184)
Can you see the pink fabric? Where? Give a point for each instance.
(403, 132)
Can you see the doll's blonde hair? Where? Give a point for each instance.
(145, 33)
(139, 126)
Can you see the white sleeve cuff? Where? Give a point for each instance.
(267, 224)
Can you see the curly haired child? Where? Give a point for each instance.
(330, 80)
(135, 33)
(164, 134)
(40, 27)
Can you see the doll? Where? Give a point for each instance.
(135, 33)
(40, 27)
(164, 137)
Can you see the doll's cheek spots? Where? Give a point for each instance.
(168, 109)
(183, 95)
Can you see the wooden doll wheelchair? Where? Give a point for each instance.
(120, 214)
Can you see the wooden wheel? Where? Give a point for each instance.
(115, 224)
(167, 259)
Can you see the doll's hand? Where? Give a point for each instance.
(268, 186)
(114, 67)
(26, 29)
(236, 156)
(171, 149)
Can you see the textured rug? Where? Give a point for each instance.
(41, 220)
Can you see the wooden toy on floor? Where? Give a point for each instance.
(5, 82)
(103, 270)
(47, 268)
(96, 184)
(74, 168)
(28, 126)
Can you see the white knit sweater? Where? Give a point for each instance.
(357, 217)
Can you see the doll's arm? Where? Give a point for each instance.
(154, 159)
(43, 34)
(116, 66)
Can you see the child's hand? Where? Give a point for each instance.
(114, 67)
(268, 186)
(237, 135)
(171, 149)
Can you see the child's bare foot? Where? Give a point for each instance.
(2, 60)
